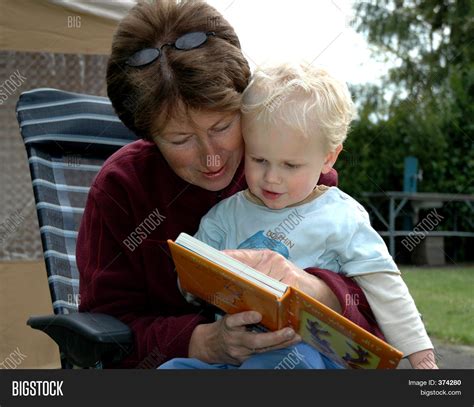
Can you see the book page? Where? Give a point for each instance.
(267, 283)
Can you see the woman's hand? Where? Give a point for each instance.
(229, 341)
(276, 266)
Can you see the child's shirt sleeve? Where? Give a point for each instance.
(395, 311)
(212, 229)
(361, 250)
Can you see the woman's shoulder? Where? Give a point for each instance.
(131, 153)
(129, 163)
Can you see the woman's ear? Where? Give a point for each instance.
(330, 159)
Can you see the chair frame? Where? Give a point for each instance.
(85, 340)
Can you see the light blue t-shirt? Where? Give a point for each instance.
(332, 232)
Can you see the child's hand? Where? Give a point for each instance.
(423, 359)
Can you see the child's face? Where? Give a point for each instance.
(283, 167)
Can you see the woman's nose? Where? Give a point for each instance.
(210, 157)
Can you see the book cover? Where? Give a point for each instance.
(321, 327)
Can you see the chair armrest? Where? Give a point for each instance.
(86, 339)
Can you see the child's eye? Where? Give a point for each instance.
(292, 166)
(258, 160)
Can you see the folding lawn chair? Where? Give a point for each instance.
(67, 137)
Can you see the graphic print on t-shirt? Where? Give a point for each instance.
(260, 241)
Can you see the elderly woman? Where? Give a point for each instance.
(175, 77)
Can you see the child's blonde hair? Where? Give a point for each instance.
(305, 98)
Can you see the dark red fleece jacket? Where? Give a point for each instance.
(127, 272)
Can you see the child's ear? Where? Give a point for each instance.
(330, 159)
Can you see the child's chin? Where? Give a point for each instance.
(275, 205)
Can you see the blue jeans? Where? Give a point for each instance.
(300, 356)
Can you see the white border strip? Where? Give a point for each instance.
(58, 208)
(80, 116)
(62, 102)
(59, 232)
(60, 187)
(79, 139)
(64, 280)
(62, 303)
(62, 165)
(59, 255)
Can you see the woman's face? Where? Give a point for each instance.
(205, 149)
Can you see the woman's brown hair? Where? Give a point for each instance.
(211, 77)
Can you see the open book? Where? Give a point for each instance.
(234, 287)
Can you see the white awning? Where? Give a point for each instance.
(63, 26)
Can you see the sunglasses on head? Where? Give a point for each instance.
(184, 43)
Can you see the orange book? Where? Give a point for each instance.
(234, 287)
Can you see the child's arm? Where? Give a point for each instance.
(363, 255)
(424, 359)
(397, 316)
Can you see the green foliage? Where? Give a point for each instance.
(424, 107)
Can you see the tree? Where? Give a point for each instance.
(424, 106)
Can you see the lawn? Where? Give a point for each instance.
(445, 297)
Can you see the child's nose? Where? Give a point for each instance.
(271, 176)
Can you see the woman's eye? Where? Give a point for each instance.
(180, 142)
(221, 129)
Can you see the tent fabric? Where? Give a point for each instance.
(110, 10)
(61, 26)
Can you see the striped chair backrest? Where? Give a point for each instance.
(67, 137)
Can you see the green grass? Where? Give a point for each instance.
(445, 297)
